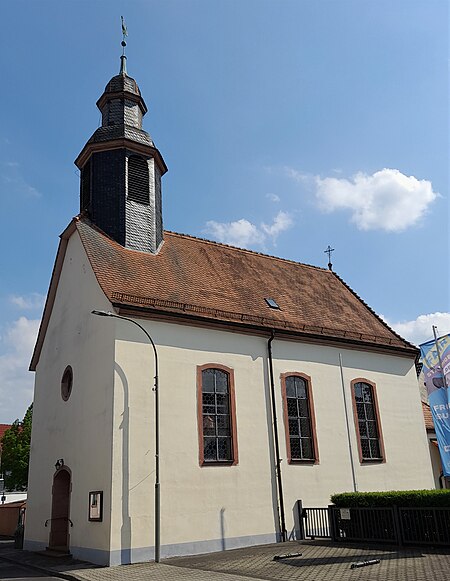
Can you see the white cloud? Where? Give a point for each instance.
(239, 233)
(420, 330)
(281, 222)
(16, 183)
(245, 234)
(16, 382)
(273, 197)
(296, 175)
(386, 200)
(28, 302)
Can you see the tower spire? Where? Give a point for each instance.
(121, 169)
(123, 58)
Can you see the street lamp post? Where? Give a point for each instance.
(155, 389)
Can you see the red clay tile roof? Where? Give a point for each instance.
(3, 428)
(427, 417)
(211, 281)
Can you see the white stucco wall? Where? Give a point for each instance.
(79, 430)
(212, 507)
(407, 464)
(105, 431)
(198, 503)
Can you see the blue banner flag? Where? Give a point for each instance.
(437, 382)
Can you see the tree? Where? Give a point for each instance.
(16, 453)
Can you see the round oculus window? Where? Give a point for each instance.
(66, 383)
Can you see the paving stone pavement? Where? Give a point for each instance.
(320, 561)
(325, 561)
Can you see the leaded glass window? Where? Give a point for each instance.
(369, 434)
(216, 416)
(298, 406)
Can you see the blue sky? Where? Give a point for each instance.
(286, 126)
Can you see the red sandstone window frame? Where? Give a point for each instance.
(234, 445)
(363, 460)
(312, 417)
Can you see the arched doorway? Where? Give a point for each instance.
(59, 531)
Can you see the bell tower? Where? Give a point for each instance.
(121, 169)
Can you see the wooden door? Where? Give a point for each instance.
(59, 532)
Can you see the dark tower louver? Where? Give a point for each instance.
(121, 169)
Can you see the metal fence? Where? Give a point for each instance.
(425, 526)
(415, 526)
(365, 524)
(316, 523)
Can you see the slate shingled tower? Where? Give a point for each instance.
(121, 170)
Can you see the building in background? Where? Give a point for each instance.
(3, 428)
(255, 356)
(439, 480)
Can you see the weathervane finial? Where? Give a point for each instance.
(123, 58)
(328, 251)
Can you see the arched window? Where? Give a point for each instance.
(216, 415)
(367, 421)
(138, 179)
(300, 428)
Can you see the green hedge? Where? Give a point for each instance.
(403, 498)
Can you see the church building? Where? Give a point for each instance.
(221, 386)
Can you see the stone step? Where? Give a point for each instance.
(56, 552)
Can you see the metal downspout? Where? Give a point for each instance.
(277, 447)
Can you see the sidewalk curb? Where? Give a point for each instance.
(50, 572)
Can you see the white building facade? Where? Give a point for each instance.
(238, 378)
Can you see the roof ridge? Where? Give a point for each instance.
(245, 250)
(372, 311)
(274, 259)
(83, 218)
